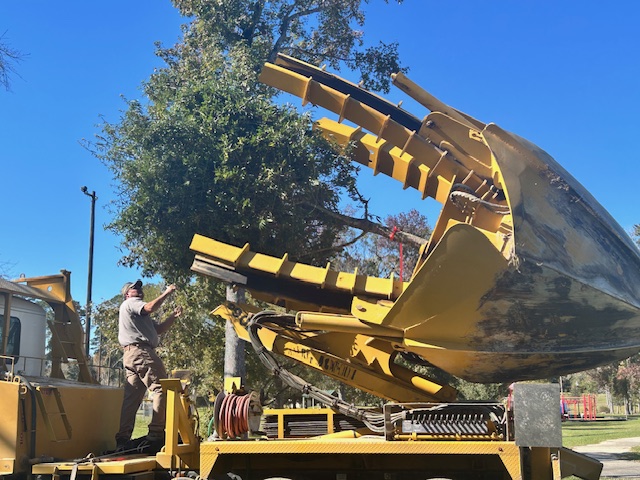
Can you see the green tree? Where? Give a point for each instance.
(243, 171)
(619, 381)
(196, 341)
(316, 31)
(210, 152)
(628, 381)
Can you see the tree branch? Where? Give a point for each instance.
(249, 32)
(8, 57)
(284, 29)
(367, 226)
(337, 248)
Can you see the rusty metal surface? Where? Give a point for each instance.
(570, 298)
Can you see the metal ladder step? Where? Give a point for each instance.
(53, 413)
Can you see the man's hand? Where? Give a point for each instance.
(154, 304)
(173, 316)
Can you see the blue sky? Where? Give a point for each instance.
(564, 75)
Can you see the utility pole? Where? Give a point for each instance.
(93, 197)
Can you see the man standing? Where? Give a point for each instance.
(139, 334)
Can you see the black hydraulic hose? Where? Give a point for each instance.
(373, 420)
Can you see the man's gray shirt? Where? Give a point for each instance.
(134, 325)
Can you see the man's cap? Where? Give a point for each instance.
(129, 285)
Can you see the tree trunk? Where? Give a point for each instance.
(234, 358)
(609, 398)
(366, 225)
(281, 393)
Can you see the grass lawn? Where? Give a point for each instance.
(140, 430)
(576, 433)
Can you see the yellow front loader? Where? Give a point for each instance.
(525, 277)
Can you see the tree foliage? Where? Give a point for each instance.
(316, 31)
(217, 162)
(211, 153)
(620, 381)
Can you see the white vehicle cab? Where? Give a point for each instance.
(26, 340)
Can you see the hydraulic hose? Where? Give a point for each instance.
(373, 420)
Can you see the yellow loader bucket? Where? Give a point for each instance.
(564, 298)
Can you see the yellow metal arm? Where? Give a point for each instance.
(357, 360)
(351, 348)
(283, 282)
(68, 337)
